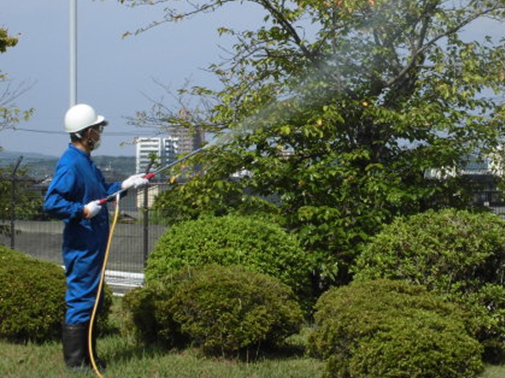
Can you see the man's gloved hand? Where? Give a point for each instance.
(134, 182)
(92, 209)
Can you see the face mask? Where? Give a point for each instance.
(94, 144)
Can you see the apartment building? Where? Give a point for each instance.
(187, 140)
(165, 149)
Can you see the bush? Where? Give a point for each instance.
(392, 329)
(459, 254)
(232, 240)
(220, 309)
(103, 325)
(32, 298)
(147, 315)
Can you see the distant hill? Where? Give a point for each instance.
(10, 157)
(40, 166)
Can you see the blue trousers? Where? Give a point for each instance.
(83, 268)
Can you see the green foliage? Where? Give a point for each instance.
(340, 108)
(392, 329)
(147, 314)
(459, 254)
(9, 113)
(103, 324)
(223, 310)
(221, 198)
(227, 309)
(232, 240)
(26, 203)
(6, 40)
(32, 299)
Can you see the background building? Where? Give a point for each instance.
(165, 149)
(188, 140)
(485, 174)
(180, 141)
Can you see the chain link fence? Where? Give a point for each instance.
(25, 228)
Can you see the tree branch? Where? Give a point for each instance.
(420, 48)
(287, 26)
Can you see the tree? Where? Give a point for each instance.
(10, 114)
(340, 107)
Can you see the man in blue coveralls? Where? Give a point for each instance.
(73, 197)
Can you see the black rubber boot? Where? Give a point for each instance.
(75, 350)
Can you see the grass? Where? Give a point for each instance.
(494, 371)
(128, 359)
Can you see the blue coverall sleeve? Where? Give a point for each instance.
(58, 201)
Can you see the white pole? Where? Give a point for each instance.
(73, 52)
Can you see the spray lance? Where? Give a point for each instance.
(150, 175)
(115, 197)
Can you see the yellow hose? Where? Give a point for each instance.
(100, 286)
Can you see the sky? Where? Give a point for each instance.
(116, 75)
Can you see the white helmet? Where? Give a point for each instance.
(80, 117)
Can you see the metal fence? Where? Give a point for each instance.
(134, 238)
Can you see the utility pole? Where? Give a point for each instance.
(73, 52)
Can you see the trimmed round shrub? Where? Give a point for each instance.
(32, 298)
(459, 254)
(389, 329)
(232, 240)
(223, 310)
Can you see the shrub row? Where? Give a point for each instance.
(456, 254)
(380, 328)
(225, 284)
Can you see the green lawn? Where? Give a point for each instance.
(127, 359)
(494, 372)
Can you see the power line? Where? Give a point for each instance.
(64, 133)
